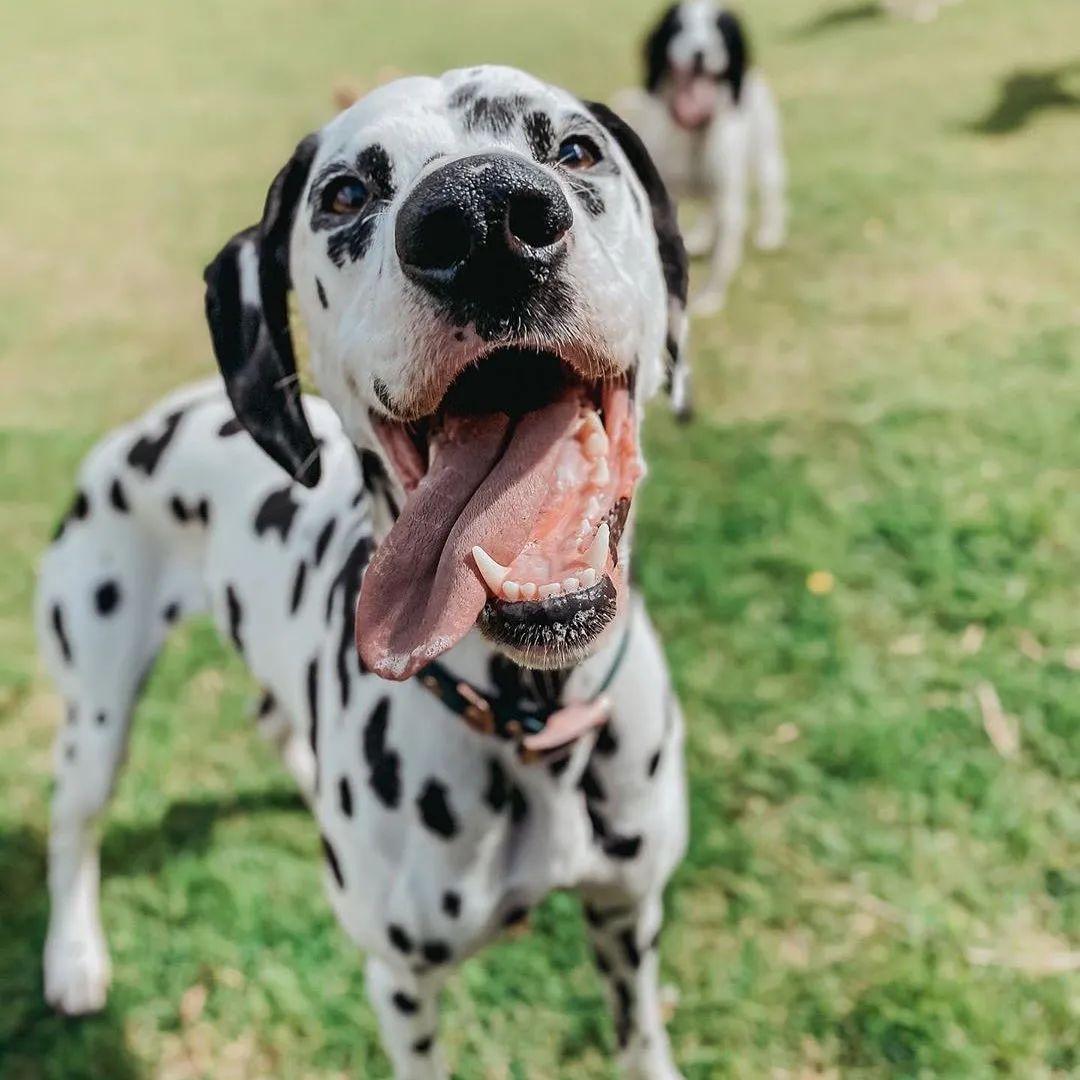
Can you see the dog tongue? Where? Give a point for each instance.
(694, 101)
(486, 485)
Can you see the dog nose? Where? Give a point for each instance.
(483, 227)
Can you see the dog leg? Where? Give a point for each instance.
(407, 1006)
(624, 939)
(700, 238)
(771, 170)
(731, 198)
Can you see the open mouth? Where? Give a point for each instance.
(518, 488)
(693, 99)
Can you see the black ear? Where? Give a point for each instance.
(247, 288)
(669, 243)
(656, 47)
(738, 51)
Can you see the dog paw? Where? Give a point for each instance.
(77, 973)
(709, 302)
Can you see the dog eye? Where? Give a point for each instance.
(578, 152)
(346, 195)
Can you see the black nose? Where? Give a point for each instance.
(484, 234)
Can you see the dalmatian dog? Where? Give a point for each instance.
(426, 569)
(711, 124)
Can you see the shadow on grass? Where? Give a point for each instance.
(838, 18)
(1023, 95)
(35, 1043)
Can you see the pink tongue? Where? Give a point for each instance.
(694, 101)
(422, 592)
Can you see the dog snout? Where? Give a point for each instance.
(484, 228)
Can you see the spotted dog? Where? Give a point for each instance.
(492, 285)
(711, 124)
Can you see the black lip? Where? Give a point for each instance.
(553, 631)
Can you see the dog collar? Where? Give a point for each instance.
(541, 732)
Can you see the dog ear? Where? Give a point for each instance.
(656, 47)
(738, 51)
(669, 244)
(247, 288)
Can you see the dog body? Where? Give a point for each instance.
(436, 835)
(712, 126)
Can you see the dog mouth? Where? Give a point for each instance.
(693, 98)
(518, 488)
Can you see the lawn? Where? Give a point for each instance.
(864, 555)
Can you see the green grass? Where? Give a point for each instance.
(872, 890)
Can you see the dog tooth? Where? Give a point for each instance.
(528, 590)
(571, 584)
(592, 425)
(549, 590)
(597, 554)
(601, 474)
(511, 590)
(588, 577)
(596, 445)
(494, 573)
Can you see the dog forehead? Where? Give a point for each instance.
(418, 115)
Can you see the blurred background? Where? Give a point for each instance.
(864, 555)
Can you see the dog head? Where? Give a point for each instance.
(695, 50)
(492, 280)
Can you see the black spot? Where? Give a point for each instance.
(607, 744)
(593, 916)
(654, 764)
(106, 597)
(384, 765)
(236, 617)
(69, 752)
(588, 193)
(345, 796)
(57, 616)
(71, 713)
(558, 766)
(346, 586)
(178, 509)
(435, 810)
(321, 293)
(332, 860)
(515, 915)
(463, 95)
(541, 135)
(495, 114)
(101, 718)
(623, 1018)
(603, 965)
(202, 511)
(405, 1004)
(117, 497)
(267, 704)
(451, 903)
(519, 805)
(592, 786)
(312, 683)
(629, 947)
(298, 588)
(622, 847)
(79, 510)
(399, 938)
(277, 512)
(146, 452)
(351, 241)
(171, 612)
(596, 819)
(322, 542)
(498, 787)
(423, 1046)
(231, 427)
(436, 952)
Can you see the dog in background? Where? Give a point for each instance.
(916, 10)
(712, 126)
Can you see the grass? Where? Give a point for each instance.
(875, 518)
